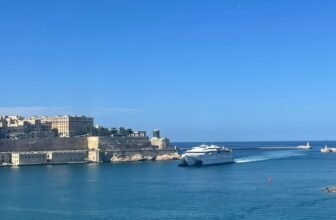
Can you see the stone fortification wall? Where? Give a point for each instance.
(115, 149)
(44, 144)
(124, 143)
(75, 143)
(100, 148)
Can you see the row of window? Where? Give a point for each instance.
(24, 156)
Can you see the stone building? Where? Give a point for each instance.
(158, 141)
(69, 126)
(29, 158)
(17, 127)
(51, 157)
(161, 143)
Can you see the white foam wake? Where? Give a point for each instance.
(269, 156)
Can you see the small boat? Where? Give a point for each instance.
(206, 155)
(305, 147)
(330, 189)
(326, 149)
(333, 149)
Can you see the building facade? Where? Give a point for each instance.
(160, 143)
(69, 126)
(42, 157)
(29, 158)
(17, 127)
(74, 156)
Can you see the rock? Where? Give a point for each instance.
(133, 157)
(137, 157)
(129, 158)
(169, 156)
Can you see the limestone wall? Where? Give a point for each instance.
(76, 143)
(93, 143)
(44, 144)
(124, 143)
(161, 143)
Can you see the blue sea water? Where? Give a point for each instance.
(263, 184)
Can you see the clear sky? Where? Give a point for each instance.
(199, 70)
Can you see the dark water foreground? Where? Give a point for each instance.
(262, 184)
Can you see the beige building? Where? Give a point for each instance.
(161, 143)
(158, 141)
(29, 158)
(11, 121)
(52, 157)
(17, 127)
(94, 151)
(69, 126)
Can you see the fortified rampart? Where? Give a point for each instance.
(119, 143)
(44, 144)
(75, 143)
(104, 149)
(98, 149)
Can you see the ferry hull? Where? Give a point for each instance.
(204, 161)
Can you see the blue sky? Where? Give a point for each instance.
(199, 70)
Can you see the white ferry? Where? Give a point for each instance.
(206, 155)
(305, 147)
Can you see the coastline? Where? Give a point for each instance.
(91, 149)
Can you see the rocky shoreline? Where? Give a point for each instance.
(145, 157)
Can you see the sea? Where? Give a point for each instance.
(264, 183)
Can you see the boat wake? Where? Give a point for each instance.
(269, 156)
